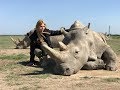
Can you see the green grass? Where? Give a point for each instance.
(112, 80)
(6, 42)
(114, 42)
(14, 57)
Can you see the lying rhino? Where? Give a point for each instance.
(22, 44)
(82, 49)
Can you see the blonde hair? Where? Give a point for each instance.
(39, 23)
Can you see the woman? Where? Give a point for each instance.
(35, 43)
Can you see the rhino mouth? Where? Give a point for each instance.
(65, 70)
(68, 72)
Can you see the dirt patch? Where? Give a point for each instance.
(15, 76)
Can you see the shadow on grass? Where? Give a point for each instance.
(24, 63)
(45, 70)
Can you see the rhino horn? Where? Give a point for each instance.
(62, 46)
(53, 53)
(14, 41)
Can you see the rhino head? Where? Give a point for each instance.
(73, 53)
(21, 44)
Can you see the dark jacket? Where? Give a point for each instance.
(34, 41)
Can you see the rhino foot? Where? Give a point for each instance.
(94, 65)
(110, 68)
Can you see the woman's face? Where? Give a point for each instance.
(41, 28)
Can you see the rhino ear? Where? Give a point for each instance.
(88, 25)
(86, 28)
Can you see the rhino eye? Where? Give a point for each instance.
(67, 69)
(76, 51)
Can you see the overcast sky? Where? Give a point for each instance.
(20, 16)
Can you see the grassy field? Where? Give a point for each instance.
(114, 42)
(15, 75)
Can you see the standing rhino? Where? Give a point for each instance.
(82, 48)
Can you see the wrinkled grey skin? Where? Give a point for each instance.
(82, 49)
(23, 44)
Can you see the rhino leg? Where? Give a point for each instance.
(93, 62)
(38, 53)
(93, 65)
(43, 59)
(110, 59)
